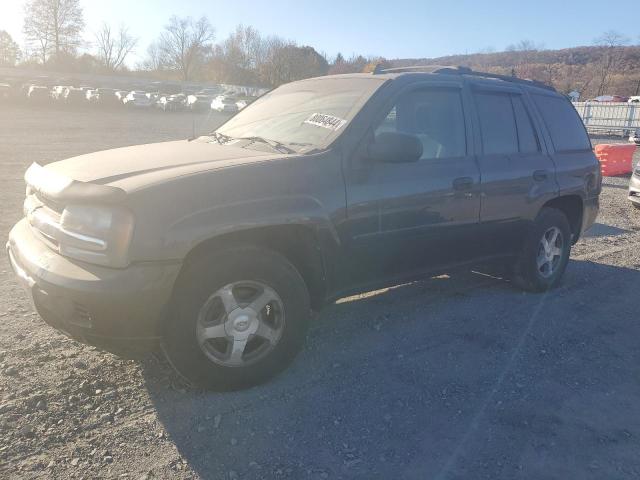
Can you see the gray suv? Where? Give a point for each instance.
(217, 248)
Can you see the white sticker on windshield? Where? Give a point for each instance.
(325, 121)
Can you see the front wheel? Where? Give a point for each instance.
(545, 252)
(239, 317)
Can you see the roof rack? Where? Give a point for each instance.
(460, 70)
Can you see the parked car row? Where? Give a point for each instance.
(203, 100)
(615, 99)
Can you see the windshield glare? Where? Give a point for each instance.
(305, 114)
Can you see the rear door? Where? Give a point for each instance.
(518, 176)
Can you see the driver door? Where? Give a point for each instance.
(407, 217)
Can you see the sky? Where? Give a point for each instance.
(391, 29)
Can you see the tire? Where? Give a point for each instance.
(529, 274)
(636, 205)
(211, 299)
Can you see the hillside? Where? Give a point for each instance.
(591, 70)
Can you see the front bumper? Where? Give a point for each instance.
(634, 189)
(119, 310)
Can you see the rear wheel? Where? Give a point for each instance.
(545, 252)
(239, 317)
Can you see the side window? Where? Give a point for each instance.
(434, 116)
(564, 125)
(526, 134)
(497, 123)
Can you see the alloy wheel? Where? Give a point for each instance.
(240, 323)
(550, 249)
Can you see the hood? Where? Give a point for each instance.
(129, 166)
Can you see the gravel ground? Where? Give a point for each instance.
(456, 377)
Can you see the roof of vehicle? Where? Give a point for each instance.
(393, 73)
(461, 71)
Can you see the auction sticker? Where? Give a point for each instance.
(325, 121)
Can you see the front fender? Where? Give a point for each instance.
(207, 224)
(174, 217)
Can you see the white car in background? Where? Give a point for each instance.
(198, 101)
(226, 104)
(137, 99)
(58, 92)
(153, 96)
(634, 99)
(92, 95)
(172, 103)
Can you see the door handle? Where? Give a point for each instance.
(540, 175)
(463, 183)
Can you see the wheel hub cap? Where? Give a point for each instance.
(240, 323)
(550, 250)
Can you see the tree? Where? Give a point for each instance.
(53, 27)
(286, 62)
(153, 61)
(355, 64)
(184, 44)
(239, 58)
(611, 42)
(525, 55)
(114, 47)
(9, 50)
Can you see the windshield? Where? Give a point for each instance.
(305, 114)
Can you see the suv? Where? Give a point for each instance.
(218, 248)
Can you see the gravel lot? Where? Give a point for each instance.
(455, 377)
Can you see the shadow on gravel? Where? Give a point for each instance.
(603, 230)
(454, 377)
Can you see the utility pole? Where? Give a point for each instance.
(638, 87)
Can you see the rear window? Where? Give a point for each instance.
(564, 125)
(497, 123)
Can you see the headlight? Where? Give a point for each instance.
(96, 234)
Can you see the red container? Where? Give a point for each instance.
(615, 159)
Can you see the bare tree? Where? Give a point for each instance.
(525, 52)
(239, 58)
(524, 46)
(285, 62)
(184, 44)
(53, 27)
(611, 58)
(355, 64)
(244, 48)
(9, 50)
(114, 47)
(153, 60)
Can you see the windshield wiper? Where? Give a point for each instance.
(281, 147)
(220, 138)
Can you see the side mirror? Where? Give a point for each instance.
(395, 147)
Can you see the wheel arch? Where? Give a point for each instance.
(299, 244)
(573, 208)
